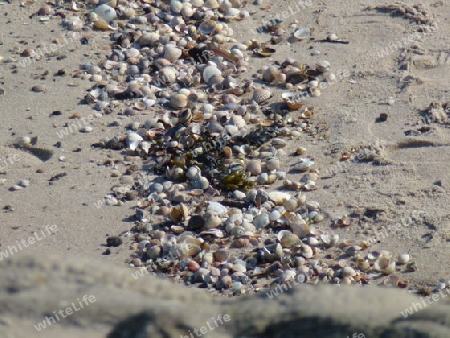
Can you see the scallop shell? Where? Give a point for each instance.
(238, 121)
(261, 95)
(171, 53)
(303, 165)
(302, 33)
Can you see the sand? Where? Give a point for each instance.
(402, 84)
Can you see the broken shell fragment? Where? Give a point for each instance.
(302, 33)
(303, 165)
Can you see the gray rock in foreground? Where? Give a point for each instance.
(35, 286)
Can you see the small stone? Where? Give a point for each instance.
(24, 183)
(38, 88)
(86, 129)
(383, 117)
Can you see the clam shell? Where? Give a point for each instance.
(303, 165)
(323, 66)
(171, 53)
(207, 27)
(302, 33)
(105, 12)
(178, 101)
(292, 101)
(287, 239)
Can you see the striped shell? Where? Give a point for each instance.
(261, 95)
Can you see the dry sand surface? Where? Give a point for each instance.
(413, 179)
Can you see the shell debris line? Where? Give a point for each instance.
(212, 146)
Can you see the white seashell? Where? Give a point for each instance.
(207, 27)
(176, 6)
(307, 251)
(217, 208)
(403, 258)
(261, 95)
(210, 71)
(106, 12)
(303, 165)
(348, 272)
(302, 33)
(133, 140)
(323, 66)
(171, 53)
(278, 197)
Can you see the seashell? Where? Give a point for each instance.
(102, 25)
(74, 23)
(363, 265)
(323, 66)
(212, 232)
(403, 258)
(176, 6)
(302, 33)
(210, 71)
(207, 27)
(307, 251)
(178, 101)
(171, 53)
(106, 12)
(177, 229)
(278, 143)
(287, 239)
(290, 205)
(348, 272)
(213, 4)
(273, 164)
(278, 197)
(330, 240)
(133, 140)
(299, 226)
(185, 250)
(168, 75)
(187, 11)
(238, 121)
(271, 73)
(303, 165)
(254, 167)
(260, 95)
(292, 101)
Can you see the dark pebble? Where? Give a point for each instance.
(114, 241)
